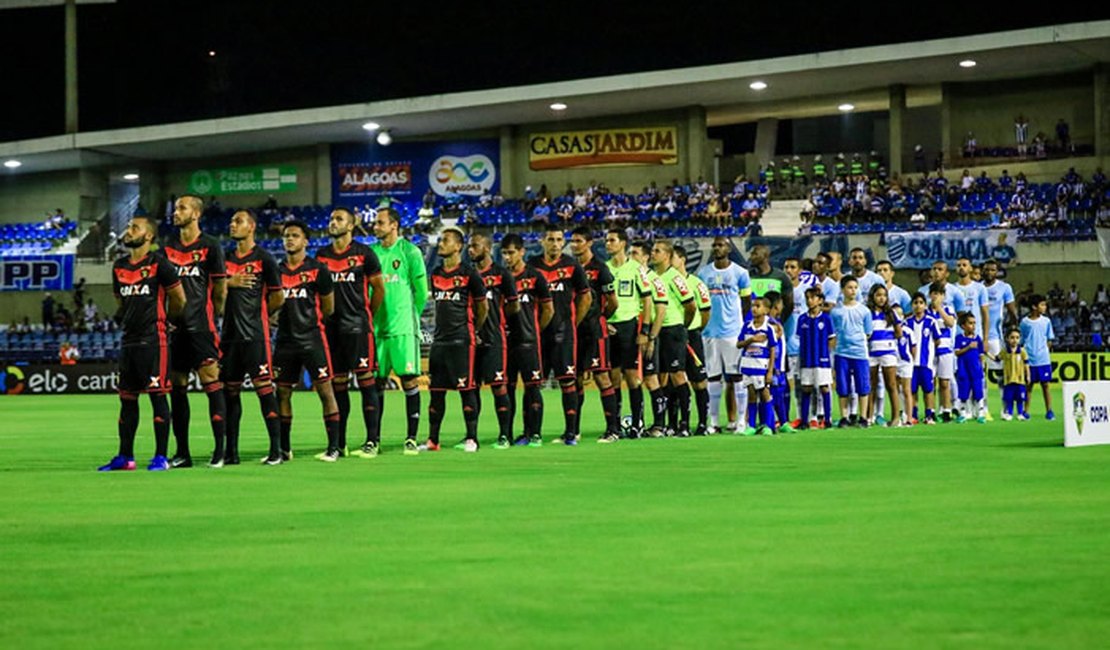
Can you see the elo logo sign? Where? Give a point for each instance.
(36, 273)
(471, 175)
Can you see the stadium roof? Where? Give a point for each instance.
(798, 86)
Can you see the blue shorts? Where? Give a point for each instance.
(922, 380)
(1040, 374)
(853, 376)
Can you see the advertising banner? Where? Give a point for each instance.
(1086, 413)
(243, 180)
(650, 145)
(407, 170)
(918, 250)
(81, 378)
(36, 273)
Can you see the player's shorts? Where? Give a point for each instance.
(624, 353)
(191, 350)
(451, 366)
(793, 366)
(355, 353)
(883, 361)
(994, 347)
(816, 376)
(144, 369)
(291, 356)
(922, 380)
(852, 374)
(946, 366)
(245, 359)
(695, 357)
(969, 387)
(757, 382)
(560, 357)
(524, 362)
(593, 350)
(398, 354)
(672, 348)
(722, 357)
(489, 365)
(905, 369)
(1040, 374)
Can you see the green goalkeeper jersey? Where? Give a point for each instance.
(406, 289)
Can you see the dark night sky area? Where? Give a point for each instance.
(146, 61)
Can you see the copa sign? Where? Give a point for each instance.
(1086, 413)
(36, 273)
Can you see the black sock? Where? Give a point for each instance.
(128, 424)
(382, 384)
(570, 409)
(636, 402)
(533, 410)
(578, 412)
(504, 416)
(370, 419)
(161, 407)
(267, 401)
(702, 397)
(672, 406)
(412, 411)
(179, 403)
(234, 416)
(343, 401)
(658, 407)
(683, 393)
(331, 427)
(437, 403)
(610, 409)
(619, 400)
(470, 413)
(286, 433)
(510, 392)
(217, 414)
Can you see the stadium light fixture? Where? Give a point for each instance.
(558, 106)
(211, 53)
(12, 164)
(130, 177)
(385, 138)
(968, 63)
(758, 85)
(846, 108)
(371, 126)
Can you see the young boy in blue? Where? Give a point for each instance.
(852, 324)
(757, 367)
(1037, 337)
(924, 333)
(780, 389)
(969, 351)
(816, 341)
(945, 318)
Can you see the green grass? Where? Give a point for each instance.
(949, 536)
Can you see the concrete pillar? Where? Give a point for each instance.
(322, 192)
(766, 139)
(71, 66)
(897, 129)
(508, 163)
(946, 141)
(1102, 111)
(698, 153)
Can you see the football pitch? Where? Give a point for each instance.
(945, 536)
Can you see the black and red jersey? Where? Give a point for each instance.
(141, 289)
(246, 315)
(455, 292)
(198, 264)
(601, 284)
(351, 271)
(532, 292)
(500, 291)
(566, 281)
(302, 320)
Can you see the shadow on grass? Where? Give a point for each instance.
(1035, 444)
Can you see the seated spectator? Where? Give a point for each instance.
(542, 212)
(1101, 297)
(918, 220)
(750, 208)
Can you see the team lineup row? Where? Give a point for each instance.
(349, 317)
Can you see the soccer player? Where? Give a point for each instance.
(766, 278)
(397, 323)
(925, 334)
(816, 342)
(792, 266)
(359, 293)
(883, 346)
(461, 309)
(254, 297)
(857, 262)
(969, 350)
(853, 326)
(905, 365)
(953, 297)
(490, 366)
(696, 375)
(525, 359)
(669, 335)
(945, 318)
(301, 339)
(1002, 307)
(142, 282)
(571, 298)
(593, 332)
(1015, 376)
(1037, 337)
(977, 302)
(730, 294)
(195, 345)
(649, 354)
(757, 363)
(898, 296)
(634, 304)
(830, 288)
(780, 389)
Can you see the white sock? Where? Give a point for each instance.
(741, 405)
(819, 405)
(880, 399)
(715, 390)
(853, 404)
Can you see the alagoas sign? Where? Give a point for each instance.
(653, 145)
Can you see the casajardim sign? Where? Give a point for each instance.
(651, 145)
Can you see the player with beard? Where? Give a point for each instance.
(199, 261)
(634, 302)
(525, 361)
(669, 334)
(593, 332)
(730, 293)
(254, 298)
(696, 376)
(302, 342)
(490, 365)
(649, 354)
(142, 282)
(359, 292)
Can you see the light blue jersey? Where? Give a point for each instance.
(999, 295)
(869, 279)
(792, 342)
(1035, 335)
(975, 298)
(852, 326)
(899, 296)
(831, 289)
(953, 297)
(725, 288)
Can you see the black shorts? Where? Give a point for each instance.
(672, 348)
(144, 369)
(355, 353)
(451, 366)
(593, 349)
(291, 356)
(559, 356)
(695, 357)
(489, 365)
(524, 362)
(191, 350)
(245, 359)
(624, 352)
